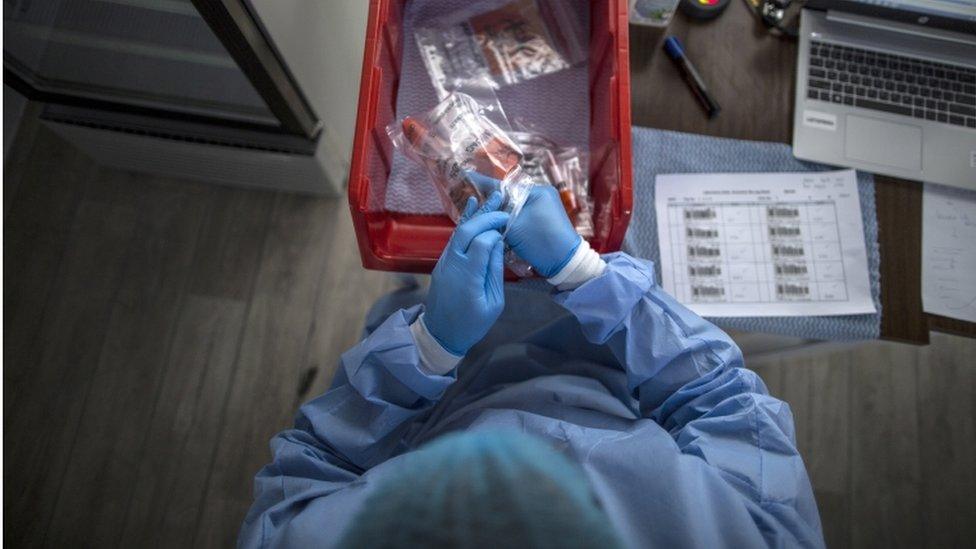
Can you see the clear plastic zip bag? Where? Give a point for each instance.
(518, 41)
(565, 169)
(460, 135)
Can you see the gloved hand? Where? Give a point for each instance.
(541, 233)
(466, 293)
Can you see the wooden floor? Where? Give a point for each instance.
(888, 433)
(157, 333)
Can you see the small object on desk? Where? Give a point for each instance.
(703, 9)
(677, 54)
(949, 252)
(652, 13)
(763, 244)
(776, 15)
(773, 12)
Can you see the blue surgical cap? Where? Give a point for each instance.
(483, 490)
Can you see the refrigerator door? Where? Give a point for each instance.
(204, 60)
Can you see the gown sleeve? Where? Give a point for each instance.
(688, 376)
(354, 426)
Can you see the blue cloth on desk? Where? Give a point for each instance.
(662, 152)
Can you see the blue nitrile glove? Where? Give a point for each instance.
(466, 289)
(541, 233)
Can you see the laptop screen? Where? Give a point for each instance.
(956, 9)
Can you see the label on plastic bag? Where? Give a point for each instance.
(504, 46)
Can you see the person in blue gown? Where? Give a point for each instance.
(595, 412)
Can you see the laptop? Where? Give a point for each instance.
(889, 87)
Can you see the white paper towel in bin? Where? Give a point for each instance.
(557, 105)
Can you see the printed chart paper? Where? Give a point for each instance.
(763, 244)
(949, 252)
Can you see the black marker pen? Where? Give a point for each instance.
(694, 80)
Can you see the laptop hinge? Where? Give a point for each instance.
(903, 28)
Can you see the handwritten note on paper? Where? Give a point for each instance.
(763, 244)
(949, 252)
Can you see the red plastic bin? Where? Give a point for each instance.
(393, 241)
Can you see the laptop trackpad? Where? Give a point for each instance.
(885, 143)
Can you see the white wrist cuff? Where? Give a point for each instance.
(434, 358)
(584, 266)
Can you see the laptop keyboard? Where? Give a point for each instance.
(892, 83)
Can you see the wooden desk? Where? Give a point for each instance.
(751, 74)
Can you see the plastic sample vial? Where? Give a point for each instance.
(652, 13)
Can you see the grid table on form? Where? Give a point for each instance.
(755, 244)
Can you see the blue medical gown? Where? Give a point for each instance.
(682, 445)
